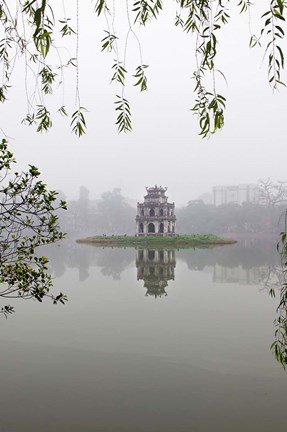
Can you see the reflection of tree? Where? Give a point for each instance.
(244, 263)
(155, 267)
(114, 261)
(246, 255)
(69, 254)
(272, 279)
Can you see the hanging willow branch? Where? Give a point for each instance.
(202, 19)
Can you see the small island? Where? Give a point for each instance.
(155, 227)
(176, 241)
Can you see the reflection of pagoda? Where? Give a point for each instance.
(156, 268)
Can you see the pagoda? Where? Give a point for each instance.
(155, 216)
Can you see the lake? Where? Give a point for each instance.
(149, 341)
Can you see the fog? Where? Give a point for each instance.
(164, 147)
(177, 335)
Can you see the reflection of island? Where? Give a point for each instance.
(155, 267)
(242, 263)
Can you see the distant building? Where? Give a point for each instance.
(237, 194)
(155, 216)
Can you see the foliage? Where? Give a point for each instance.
(111, 214)
(279, 346)
(29, 29)
(203, 19)
(28, 220)
(246, 218)
(272, 193)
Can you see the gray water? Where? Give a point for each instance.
(149, 341)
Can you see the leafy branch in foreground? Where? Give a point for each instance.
(32, 28)
(108, 41)
(279, 346)
(29, 30)
(274, 20)
(145, 10)
(78, 121)
(209, 108)
(28, 220)
(124, 116)
(119, 74)
(66, 30)
(141, 77)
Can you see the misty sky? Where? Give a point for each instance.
(164, 147)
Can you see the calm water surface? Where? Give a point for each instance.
(149, 341)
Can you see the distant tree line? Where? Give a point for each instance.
(246, 218)
(111, 214)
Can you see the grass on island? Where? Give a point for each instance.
(157, 241)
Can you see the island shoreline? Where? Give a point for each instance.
(158, 241)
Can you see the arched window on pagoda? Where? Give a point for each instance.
(151, 228)
(151, 212)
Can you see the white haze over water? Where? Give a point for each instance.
(164, 147)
